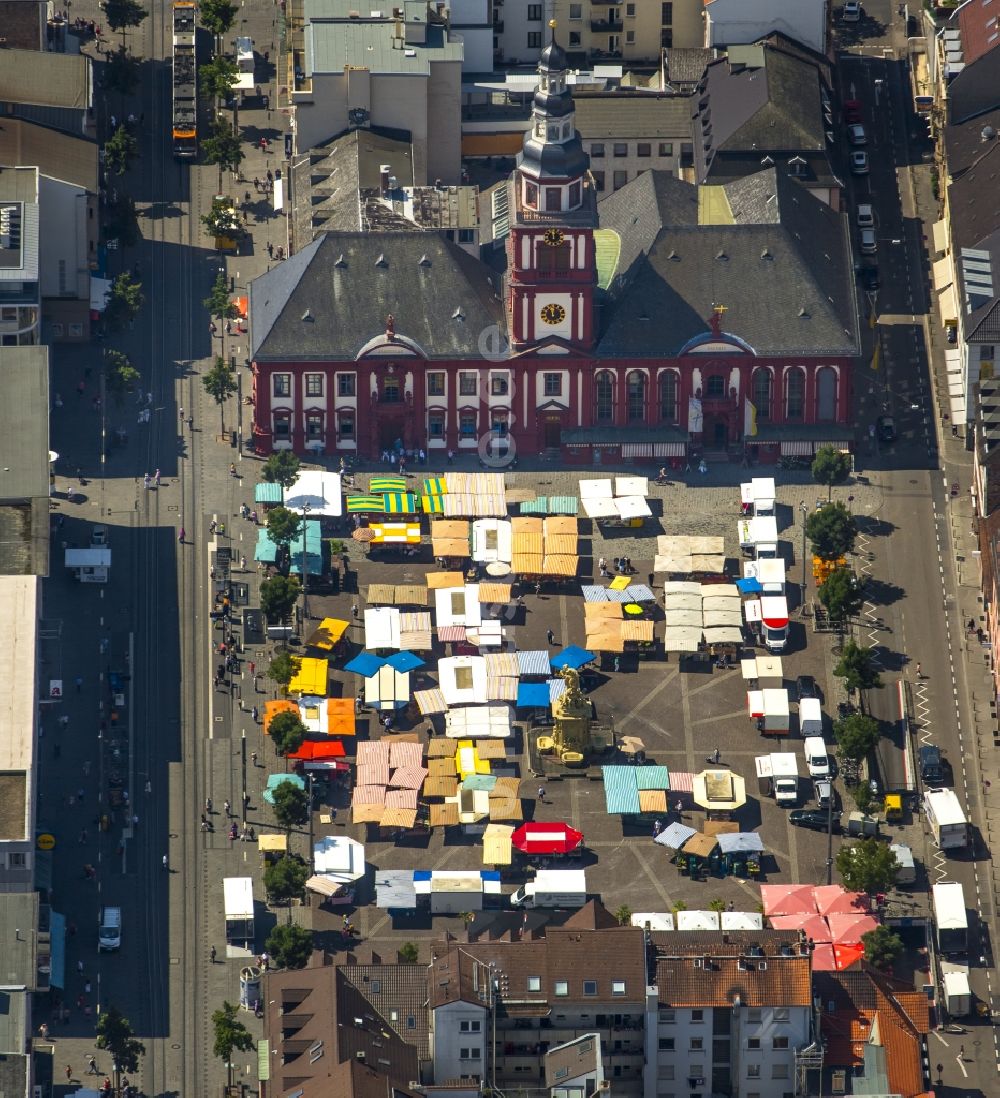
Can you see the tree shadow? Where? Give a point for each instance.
(882, 592)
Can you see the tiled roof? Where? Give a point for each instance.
(777, 257)
(564, 955)
(713, 980)
(974, 213)
(965, 143)
(399, 993)
(979, 24)
(686, 65)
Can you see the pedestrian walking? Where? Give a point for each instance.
(355, 612)
(550, 636)
(252, 668)
(679, 808)
(69, 1073)
(920, 673)
(208, 805)
(212, 954)
(961, 1050)
(92, 1066)
(716, 756)
(602, 565)
(657, 828)
(146, 480)
(43, 1029)
(79, 968)
(180, 535)
(451, 457)
(359, 703)
(226, 807)
(166, 863)
(270, 250)
(156, 478)
(255, 714)
(541, 794)
(253, 757)
(63, 722)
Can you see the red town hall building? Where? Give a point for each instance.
(667, 320)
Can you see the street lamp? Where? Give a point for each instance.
(802, 603)
(306, 508)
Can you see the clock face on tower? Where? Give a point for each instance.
(553, 237)
(553, 313)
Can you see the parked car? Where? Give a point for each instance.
(813, 819)
(931, 770)
(869, 278)
(852, 111)
(852, 11)
(867, 242)
(856, 134)
(886, 428)
(859, 163)
(805, 687)
(865, 216)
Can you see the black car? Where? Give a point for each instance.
(805, 687)
(815, 821)
(931, 769)
(886, 427)
(869, 278)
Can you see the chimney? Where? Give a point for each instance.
(383, 178)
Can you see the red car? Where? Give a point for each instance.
(852, 111)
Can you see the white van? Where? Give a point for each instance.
(109, 931)
(817, 759)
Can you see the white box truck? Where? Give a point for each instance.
(237, 895)
(956, 991)
(951, 920)
(553, 888)
(774, 622)
(778, 777)
(810, 717)
(946, 818)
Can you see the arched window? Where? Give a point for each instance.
(795, 394)
(604, 397)
(668, 397)
(762, 392)
(716, 386)
(636, 396)
(826, 394)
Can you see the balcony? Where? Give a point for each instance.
(607, 26)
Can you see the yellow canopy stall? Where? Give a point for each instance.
(311, 677)
(327, 633)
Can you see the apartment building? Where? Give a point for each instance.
(398, 69)
(633, 31)
(498, 1008)
(733, 1015)
(20, 270)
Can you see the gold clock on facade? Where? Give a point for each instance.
(553, 237)
(553, 313)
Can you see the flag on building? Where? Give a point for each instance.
(749, 419)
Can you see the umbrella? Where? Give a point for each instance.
(498, 568)
(546, 838)
(363, 533)
(675, 835)
(365, 664)
(835, 958)
(631, 745)
(366, 503)
(787, 899)
(835, 899)
(274, 780)
(386, 484)
(404, 661)
(848, 929)
(749, 586)
(573, 656)
(742, 842)
(813, 926)
(533, 695)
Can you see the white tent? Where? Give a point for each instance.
(599, 507)
(492, 540)
(632, 486)
(596, 489)
(320, 490)
(478, 721)
(697, 920)
(340, 858)
(387, 688)
(381, 627)
(458, 606)
(463, 679)
(742, 920)
(632, 507)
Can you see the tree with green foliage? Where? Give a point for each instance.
(867, 866)
(282, 669)
(283, 526)
(856, 735)
(842, 594)
(217, 78)
(408, 953)
(287, 732)
(286, 879)
(121, 73)
(222, 219)
(120, 376)
(281, 467)
(124, 301)
(121, 222)
(217, 16)
(832, 531)
(230, 1034)
(115, 1034)
(223, 147)
(831, 466)
(120, 149)
(863, 795)
(218, 301)
(856, 667)
(624, 915)
(289, 946)
(882, 946)
(220, 384)
(278, 595)
(291, 803)
(122, 14)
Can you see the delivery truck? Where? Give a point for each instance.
(956, 993)
(951, 920)
(553, 888)
(778, 777)
(757, 497)
(759, 537)
(769, 709)
(946, 818)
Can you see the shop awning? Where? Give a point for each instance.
(939, 231)
(942, 273)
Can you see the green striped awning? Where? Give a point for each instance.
(387, 484)
(366, 503)
(266, 492)
(400, 503)
(433, 505)
(435, 486)
(537, 506)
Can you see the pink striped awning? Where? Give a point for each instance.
(681, 782)
(451, 634)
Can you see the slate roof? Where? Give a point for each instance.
(629, 117)
(686, 65)
(778, 258)
(564, 954)
(55, 154)
(964, 141)
(345, 284)
(975, 214)
(975, 89)
(710, 970)
(23, 24)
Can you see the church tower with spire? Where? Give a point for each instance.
(551, 264)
